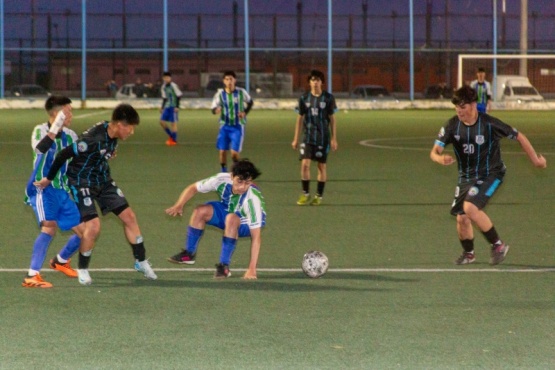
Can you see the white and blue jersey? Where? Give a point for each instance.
(171, 95)
(249, 206)
(483, 94)
(52, 203)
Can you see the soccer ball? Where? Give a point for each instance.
(315, 264)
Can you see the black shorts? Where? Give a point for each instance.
(313, 152)
(108, 196)
(477, 192)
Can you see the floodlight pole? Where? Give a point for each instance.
(2, 82)
(165, 46)
(247, 42)
(84, 54)
(330, 74)
(411, 42)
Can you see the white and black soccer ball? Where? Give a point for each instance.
(315, 264)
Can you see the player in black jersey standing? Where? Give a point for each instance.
(90, 180)
(475, 138)
(316, 118)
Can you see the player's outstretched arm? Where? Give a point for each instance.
(186, 195)
(537, 159)
(256, 239)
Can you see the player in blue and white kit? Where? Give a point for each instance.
(232, 104)
(240, 212)
(483, 91)
(52, 205)
(171, 96)
(476, 140)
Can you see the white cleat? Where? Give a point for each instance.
(84, 277)
(146, 269)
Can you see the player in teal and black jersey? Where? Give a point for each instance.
(91, 181)
(316, 119)
(475, 138)
(171, 96)
(232, 104)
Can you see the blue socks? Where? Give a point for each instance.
(228, 246)
(39, 251)
(193, 237)
(71, 247)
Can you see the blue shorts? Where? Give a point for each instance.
(218, 219)
(231, 137)
(55, 205)
(169, 115)
(482, 108)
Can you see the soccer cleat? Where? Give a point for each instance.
(498, 254)
(35, 282)
(63, 267)
(183, 257)
(84, 277)
(222, 271)
(146, 269)
(171, 142)
(303, 199)
(316, 201)
(465, 259)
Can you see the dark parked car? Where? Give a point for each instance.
(23, 91)
(372, 92)
(440, 91)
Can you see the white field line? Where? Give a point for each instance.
(338, 270)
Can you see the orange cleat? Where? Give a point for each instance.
(63, 267)
(35, 282)
(171, 142)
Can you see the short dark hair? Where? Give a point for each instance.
(464, 95)
(125, 113)
(229, 73)
(56, 101)
(167, 73)
(317, 74)
(245, 170)
(481, 70)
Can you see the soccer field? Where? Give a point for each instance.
(392, 299)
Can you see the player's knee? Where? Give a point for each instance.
(232, 220)
(49, 227)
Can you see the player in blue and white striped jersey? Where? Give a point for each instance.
(483, 91)
(171, 96)
(476, 137)
(240, 212)
(232, 104)
(52, 205)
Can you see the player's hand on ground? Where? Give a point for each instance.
(42, 183)
(541, 162)
(175, 211)
(250, 275)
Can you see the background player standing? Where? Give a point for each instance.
(52, 205)
(171, 96)
(91, 180)
(232, 104)
(316, 118)
(475, 138)
(483, 91)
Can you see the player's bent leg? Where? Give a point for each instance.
(201, 215)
